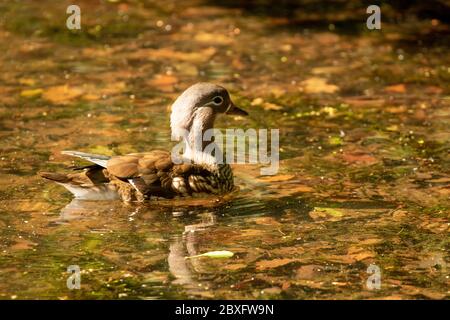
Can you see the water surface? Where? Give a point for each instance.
(364, 177)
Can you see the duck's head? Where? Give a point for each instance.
(196, 108)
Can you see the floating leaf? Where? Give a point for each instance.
(281, 177)
(170, 54)
(271, 106)
(164, 82)
(335, 141)
(393, 127)
(27, 81)
(257, 102)
(62, 94)
(31, 93)
(328, 70)
(330, 211)
(113, 88)
(223, 254)
(215, 38)
(318, 85)
(397, 88)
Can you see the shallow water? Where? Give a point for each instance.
(364, 177)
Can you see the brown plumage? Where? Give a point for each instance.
(140, 176)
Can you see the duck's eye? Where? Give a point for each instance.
(217, 100)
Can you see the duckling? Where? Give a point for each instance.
(139, 176)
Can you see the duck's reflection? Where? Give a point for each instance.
(73, 211)
(182, 245)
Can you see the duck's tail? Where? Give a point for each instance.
(88, 184)
(54, 176)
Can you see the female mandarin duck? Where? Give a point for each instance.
(138, 176)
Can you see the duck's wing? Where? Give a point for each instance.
(90, 182)
(98, 159)
(154, 173)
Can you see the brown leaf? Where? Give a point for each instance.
(351, 257)
(396, 88)
(359, 254)
(397, 109)
(308, 272)
(318, 85)
(237, 64)
(62, 94)
(281, 177)
(299, 188)
(234, 266)
(433, 90)
(372, 241)
(213, 38)
(267, 221)
(22, 244)
(113, 88)
(328, 70)
(272, 264)
(164, 82)
(399, 215)
(257, 102)
(169, 54)
(91, 97)
(440, 180)
(364, 102)
(272, 106)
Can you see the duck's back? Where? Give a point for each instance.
(140, 176)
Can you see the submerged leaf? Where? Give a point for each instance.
(335, 141)
(274, 263)
(330, 211)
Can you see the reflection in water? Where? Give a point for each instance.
(185, 246)
(75, 209)
(180, 247)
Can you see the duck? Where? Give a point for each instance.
(157, 173)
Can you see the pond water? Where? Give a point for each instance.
(364, 177)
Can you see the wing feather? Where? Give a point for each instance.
(98, 159)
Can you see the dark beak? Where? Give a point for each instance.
(233, 110)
